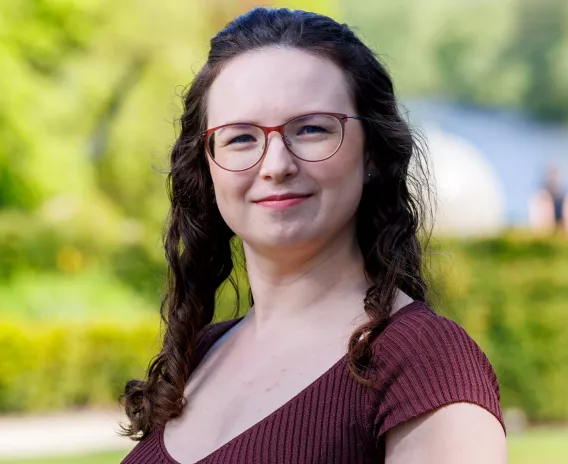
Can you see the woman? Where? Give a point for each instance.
(291, 141)
(548, 206)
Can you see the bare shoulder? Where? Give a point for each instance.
(447, 435)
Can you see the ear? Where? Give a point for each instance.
(370, 168)
(369, 165)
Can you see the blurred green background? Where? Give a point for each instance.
(89, 96)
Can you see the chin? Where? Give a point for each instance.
(279, 240)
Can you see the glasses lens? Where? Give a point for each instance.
(314, 137)
(237, 146)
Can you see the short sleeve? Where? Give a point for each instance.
(426, 361)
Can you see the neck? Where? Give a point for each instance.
(307, 287)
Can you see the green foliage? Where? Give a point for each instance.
(510, 294)
(87, 297)
(85, 246)
(86, 101)
(540, 445)
(511, 53)
(88, 265)
(67, 365)
(37, 40)
(109, 457)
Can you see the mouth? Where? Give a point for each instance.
(282, 201)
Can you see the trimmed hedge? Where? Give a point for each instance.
(511, 295)
(64, 366)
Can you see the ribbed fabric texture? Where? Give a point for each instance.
(421, 361)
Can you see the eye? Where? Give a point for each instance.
(242, 139)
(313, 129)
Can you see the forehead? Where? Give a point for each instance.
(272, 85)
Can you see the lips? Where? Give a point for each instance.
(284, 196)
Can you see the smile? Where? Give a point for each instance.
(282, 204)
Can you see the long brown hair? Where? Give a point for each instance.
(197, 240)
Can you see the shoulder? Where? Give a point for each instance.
(419, 323)
(207, 336)
(416, 334)
(425, 361)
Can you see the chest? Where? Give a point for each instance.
(230, 400)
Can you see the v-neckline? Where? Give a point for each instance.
(227, 325)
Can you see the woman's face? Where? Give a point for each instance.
(269, 87)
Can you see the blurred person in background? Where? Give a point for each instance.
(292, 142)
(548, 206)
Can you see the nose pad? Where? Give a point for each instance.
(286, 141)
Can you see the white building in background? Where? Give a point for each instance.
(469, 196)
(518, 149)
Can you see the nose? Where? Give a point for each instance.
(278, 163)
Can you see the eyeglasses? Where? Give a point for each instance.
(311, 137)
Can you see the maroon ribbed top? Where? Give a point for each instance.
(422, 361)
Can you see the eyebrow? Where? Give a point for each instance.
(299, 114)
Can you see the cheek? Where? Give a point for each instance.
(344, 169)
(230, 190)
(342, 181)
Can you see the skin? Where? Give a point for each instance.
(460, 432)
(294, 256)
(304, 265)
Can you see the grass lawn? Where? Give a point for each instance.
(110, 457)
(537, 446)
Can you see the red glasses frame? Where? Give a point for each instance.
(342, 118)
